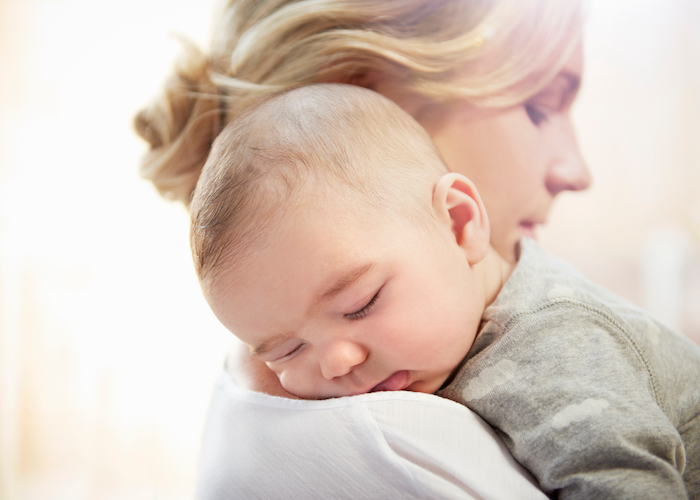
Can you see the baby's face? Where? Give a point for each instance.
(339, 304)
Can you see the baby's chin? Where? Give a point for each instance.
(399, 381)
(424, 388)
(314, 395)
(419, 386)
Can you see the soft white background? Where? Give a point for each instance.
(107, 350)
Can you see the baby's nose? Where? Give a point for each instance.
(340, 357)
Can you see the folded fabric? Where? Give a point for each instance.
(373, 446)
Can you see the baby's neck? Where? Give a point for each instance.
(493, 272)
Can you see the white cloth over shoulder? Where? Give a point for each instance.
(373, 446)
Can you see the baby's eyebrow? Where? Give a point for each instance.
(269, 344)
(346, 280)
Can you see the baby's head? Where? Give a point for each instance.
(329, 236)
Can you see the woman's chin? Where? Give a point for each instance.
(528, 229)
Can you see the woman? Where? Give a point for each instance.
(492, 81)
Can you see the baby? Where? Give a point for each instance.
(329, 236)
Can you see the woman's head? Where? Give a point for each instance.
(520, 157)
(439, 59)
(491, 52)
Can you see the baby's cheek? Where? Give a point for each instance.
(275, 368)
(285, 376)
(296, 381)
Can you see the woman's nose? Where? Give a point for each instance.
(340, 357)
(568, 170)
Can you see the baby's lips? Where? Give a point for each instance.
(396, 382)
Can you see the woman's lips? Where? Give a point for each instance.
(396, 382)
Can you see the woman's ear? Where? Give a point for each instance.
(457, 204)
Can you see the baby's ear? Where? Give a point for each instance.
(457, 203)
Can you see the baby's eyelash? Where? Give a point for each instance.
(366, 309)
(292, 351)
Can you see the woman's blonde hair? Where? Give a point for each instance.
(494, 53)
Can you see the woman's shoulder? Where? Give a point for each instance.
(547, 300)
(400, 444)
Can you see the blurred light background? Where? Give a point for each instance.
(108, 352)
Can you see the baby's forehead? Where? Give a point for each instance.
(362, 201)
(320, 207)
(308, 236)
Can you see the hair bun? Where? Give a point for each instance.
(180, 126)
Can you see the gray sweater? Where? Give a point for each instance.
(592, 395)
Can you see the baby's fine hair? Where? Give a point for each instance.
(320, 140)
(491, 53)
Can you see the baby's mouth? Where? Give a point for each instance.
(396, 382)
